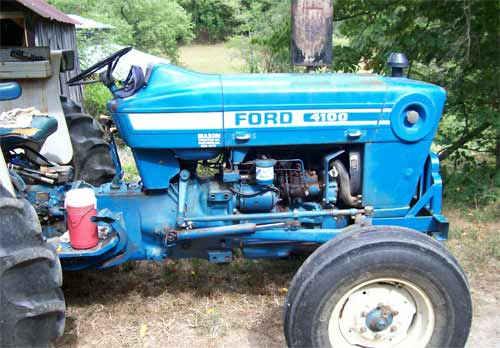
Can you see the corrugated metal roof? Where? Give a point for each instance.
(87, 23)
(47, 11)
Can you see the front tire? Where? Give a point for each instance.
(379, 287)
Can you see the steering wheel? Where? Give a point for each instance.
(109, 62)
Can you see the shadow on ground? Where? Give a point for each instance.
(153, 304)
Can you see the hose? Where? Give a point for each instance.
(36, 153)
(345, 185)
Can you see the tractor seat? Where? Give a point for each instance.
(37, 132)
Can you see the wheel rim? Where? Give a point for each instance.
(382, 313)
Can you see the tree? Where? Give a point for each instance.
(265, 36)
(452, 44)
(214, 20)
(155, 26)
(158, 26)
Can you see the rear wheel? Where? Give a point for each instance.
(31, 301)
(91, 155)
(379, 287)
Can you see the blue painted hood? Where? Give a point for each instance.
(178, 106)
(174, 89)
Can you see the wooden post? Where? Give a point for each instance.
(312, 28)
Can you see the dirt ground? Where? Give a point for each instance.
(486, 299)
(197, 304)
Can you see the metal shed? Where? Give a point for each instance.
(43, 25)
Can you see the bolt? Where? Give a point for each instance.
(362, 330)
(172, 236)
(412, 116)
(394, 328)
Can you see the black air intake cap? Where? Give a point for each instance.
(397, 62)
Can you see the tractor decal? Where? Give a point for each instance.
(257, 119)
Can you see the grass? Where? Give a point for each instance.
(474, 235)
(187, 303)
(211, 59)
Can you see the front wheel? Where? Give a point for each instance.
(379, 287)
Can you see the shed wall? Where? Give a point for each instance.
(58, 36)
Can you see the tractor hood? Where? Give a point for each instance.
(179, 107)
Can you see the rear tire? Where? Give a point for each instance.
(31, 301)
(379, 286)
(91, 154)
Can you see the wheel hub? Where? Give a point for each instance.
(380, 318)
(377, 315)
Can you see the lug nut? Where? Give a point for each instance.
(364, 314)
(394, 328)
(395, 313)
(362, 330)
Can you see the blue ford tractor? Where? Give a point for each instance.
(334, 166)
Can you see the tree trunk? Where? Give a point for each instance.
(497, 150)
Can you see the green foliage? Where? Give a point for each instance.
(265, 45)
(74, 6)
(452, 44)
(470, 182)
(214, 20)
(155, 26)
(96, 96)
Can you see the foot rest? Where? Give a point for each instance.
(64, 250)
